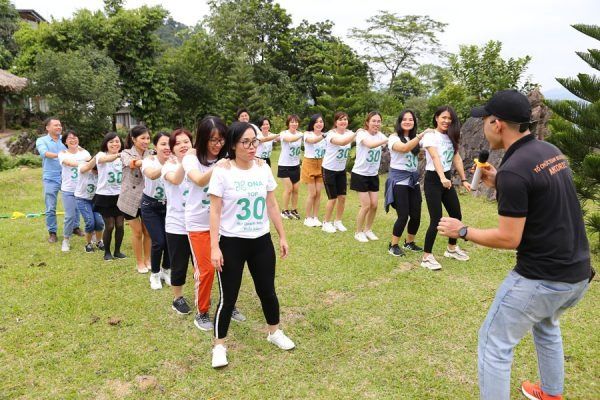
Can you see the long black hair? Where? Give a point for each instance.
(206, 127)
(412, 133)
(454, 128)
(134, 132)
(234, 134)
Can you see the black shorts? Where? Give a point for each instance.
(362, 183)
(137, 215)
(335, 183)
(289, 172)
(106, 205)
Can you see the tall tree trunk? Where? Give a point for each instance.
(2, 116)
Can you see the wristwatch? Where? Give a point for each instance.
(462, 232)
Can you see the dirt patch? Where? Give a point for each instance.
(178, 368)
(146, 382)
(115, 389)
(404, 267)
(334, 296)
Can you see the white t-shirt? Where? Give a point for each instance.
(443, 145)
(154, 188)
(264, 148)
(176, 195)
(367, 160)
(86, 185)
(197, 205)
(336, 156)
(110, 176)
(290, 151)
(313, 150)
(403, 161)
(70, 175)
(244, 194)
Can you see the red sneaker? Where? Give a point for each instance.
(533, 391)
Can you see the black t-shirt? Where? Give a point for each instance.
(534, 181)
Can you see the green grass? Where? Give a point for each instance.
(366, 325)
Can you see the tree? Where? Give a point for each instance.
(576, 128)
(81, 87)
(406, 86)
(396, 43)
(9, 23)
(483, 71)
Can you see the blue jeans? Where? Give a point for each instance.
(153, 217)
(93, 220)
(72, 215)
(522, 305)
(51, 190)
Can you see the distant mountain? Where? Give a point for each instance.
(559, 93)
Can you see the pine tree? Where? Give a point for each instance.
(576, 129)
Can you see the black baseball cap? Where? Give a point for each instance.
(509, 105)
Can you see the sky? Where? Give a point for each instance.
(539, 28)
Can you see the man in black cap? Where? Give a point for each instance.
(540, 216)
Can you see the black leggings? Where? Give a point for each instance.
(117, 224)
(407, 202)
(260, 255)
(436, 195)
(180, 254)
(153, 217)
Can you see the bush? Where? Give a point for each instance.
(27, 160)
(6, 162)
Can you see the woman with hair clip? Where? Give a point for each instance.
(266, 138)
(69, 160)
(132, 187)
(441, 147)
(288, 167)
(242, 201)
(176, 189)
(311, 171)
(110, 176)
(365, 174)
(337, 150)
(199, 164)
(154, 210)
(402, 190)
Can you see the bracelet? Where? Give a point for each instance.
(463, 180)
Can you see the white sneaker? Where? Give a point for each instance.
(431, 263)
(370, 235)
(316, 222)
(280, 340)
(457, 254)
(339, 226)
(165, 275)
(65, 245)
(155, 281)
(328, 227)
(308, 222)
(219, 356)
(361, 237)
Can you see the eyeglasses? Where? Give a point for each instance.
(247, 143)
(217, 141)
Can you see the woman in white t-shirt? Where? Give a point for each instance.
(288, 167)
(311, 172)
(69, 160)
(84, 193)
(199, 164)
(402, 190)
(176, 190)
(337, 150)
(110, 176)
(242, 201)
(153, 208)
(266, 138)
(365, 174)
(441, 147)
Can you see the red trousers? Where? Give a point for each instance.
(204, 272)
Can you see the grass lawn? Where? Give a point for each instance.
(366, 324)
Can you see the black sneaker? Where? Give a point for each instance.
(412, 246)
(285, 214)
(100, 245)
(108, 257)
(294, 214)
(118, 254)
(89, 248)
(395, 250)
(181, 306)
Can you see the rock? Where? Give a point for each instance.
(25, 143)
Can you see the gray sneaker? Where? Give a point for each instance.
(203, 322)
(237, 316)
